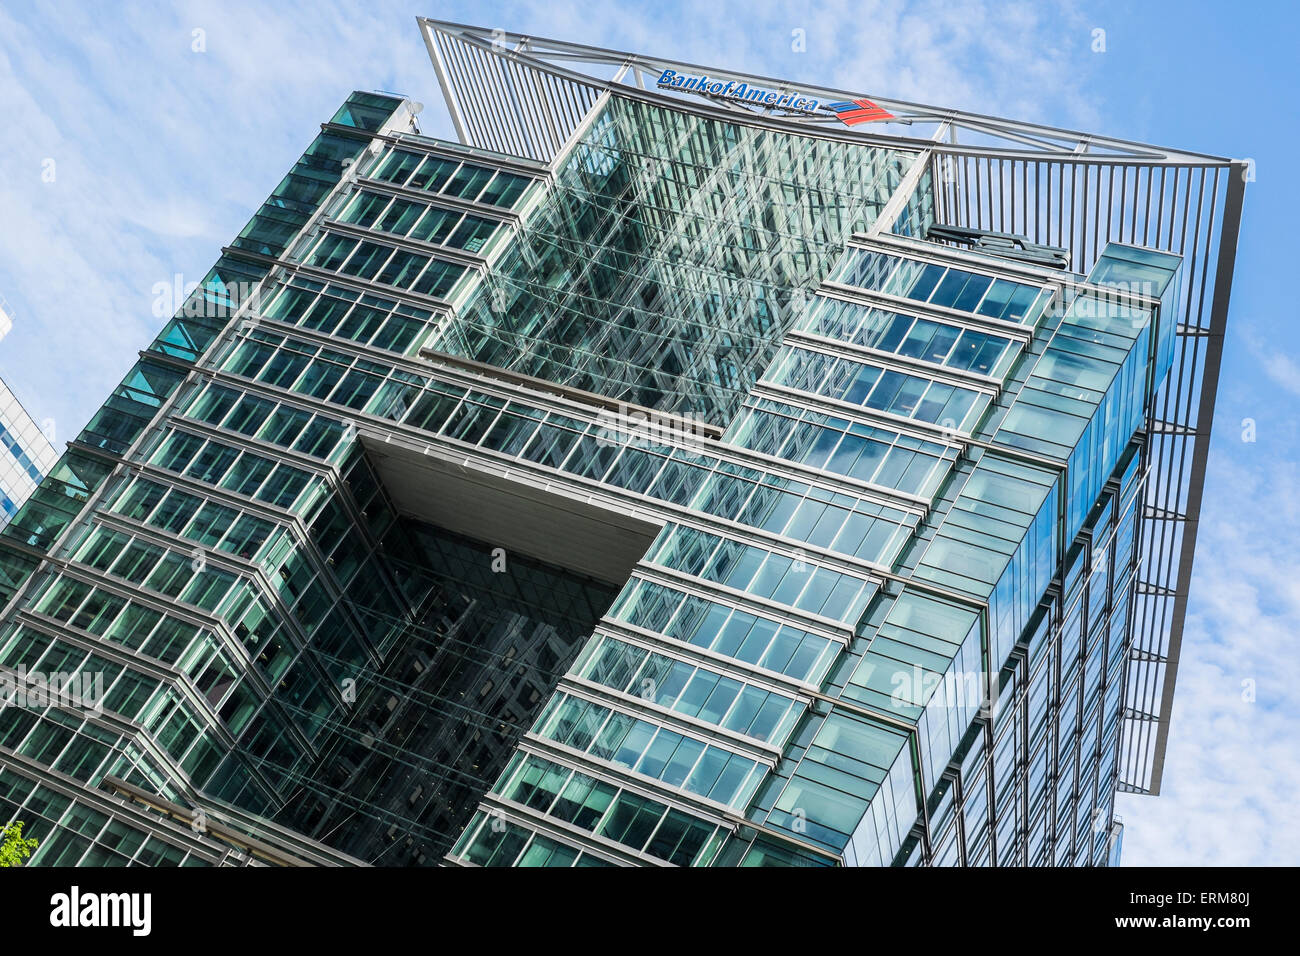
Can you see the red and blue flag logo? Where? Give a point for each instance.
(853, 112)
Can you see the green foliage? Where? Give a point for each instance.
(13, 848)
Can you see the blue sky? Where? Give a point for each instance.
(128, 157)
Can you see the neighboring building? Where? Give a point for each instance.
(26, 455)
(769, 476)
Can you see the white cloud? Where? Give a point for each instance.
(1283, 370)
(1231, 770)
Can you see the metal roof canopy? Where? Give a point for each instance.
(470, 60)
(532, 96)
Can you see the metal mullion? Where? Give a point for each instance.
(490, 69)
(540, 114)
(1173, 210)
(1185, 415)
(998, 205)
(1123, 198)
(1160, 206)
(1038, 195)
(542, 89)
(945, 179)
(988, 165)
(1024, 198)
(1096, 216)
(1047, 216)
(561, 96)
(1017, 198)
(496, 135)
(1070, 239)
(484, 68)
(580, 98)
(456, 73)
(455, 55)
(437, 54)
(967, 163)
(1145, 221)
(524, 111)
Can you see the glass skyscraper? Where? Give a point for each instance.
(26, 455)
(684, 468)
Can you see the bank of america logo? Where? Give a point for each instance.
(853, 112)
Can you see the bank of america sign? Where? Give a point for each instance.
(849, 113)
(732, 90)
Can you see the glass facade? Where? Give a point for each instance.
(376, 563)
(669, 256)
(26, 455)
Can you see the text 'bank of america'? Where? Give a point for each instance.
(656, 476)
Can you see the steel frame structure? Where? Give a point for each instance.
(531, 96)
